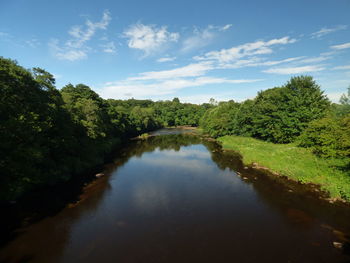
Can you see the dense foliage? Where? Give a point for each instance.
(167, 113)
(296, 112)
(330, 136)
(47, 135)
(278, 115)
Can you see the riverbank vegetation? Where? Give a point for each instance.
(296, 163)
(49, 135)
(297, 132)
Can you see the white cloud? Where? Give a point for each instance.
(33, 42)
(341, 46)
(256, 61)
(277, 62)
(315, 59)
(64, 53)
(149, 38)
(201, 38)
(224, 56)
(225, 27)
(191, 70)
(294, 70)
(325, 31)
(166, 59)
(75, 48)
(127, 89)
(334, 96)
(345, 67)
(109, 47)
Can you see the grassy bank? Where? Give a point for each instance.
(297, 163)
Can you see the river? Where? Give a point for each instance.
(178, 198)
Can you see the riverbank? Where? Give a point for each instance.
(296, 163)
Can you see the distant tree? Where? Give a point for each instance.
(220, 121)
(213, 102)
(344, 103)
(176, 100)
(345, 98)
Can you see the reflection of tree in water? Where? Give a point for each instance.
(298, 206)
(294, 202)
(32, 243)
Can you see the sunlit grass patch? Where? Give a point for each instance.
(297, 163)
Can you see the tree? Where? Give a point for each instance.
(33, 126)
(345, 98)
(87, 109)
(176, 100)
(281, 114)
(328, 137)
(220, 121)
(345, 103)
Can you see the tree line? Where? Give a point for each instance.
(297, 112)
(49, 135)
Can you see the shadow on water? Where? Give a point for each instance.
(64, 212)
(49, 201)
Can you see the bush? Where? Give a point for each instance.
(328, 137)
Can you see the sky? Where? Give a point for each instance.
(194, 50)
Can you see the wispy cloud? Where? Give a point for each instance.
(191, 70)
(345, 67)
(256, 62)
(255, 54)
(127, 89)
(76, 48)
(341, 46)
(294, 70)
(225, 27)
(233, 54)
(315, 59)
(158, 83)
(19, 42)
(65, 53)
(4, 35)
(149, 38)
(109, 47)
(202, 37)
(327, 30)
(166, 59)
(33, 42)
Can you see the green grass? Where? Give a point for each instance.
(294, 162)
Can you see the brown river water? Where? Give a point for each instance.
(178, 198)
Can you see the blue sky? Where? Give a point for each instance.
(194, 50)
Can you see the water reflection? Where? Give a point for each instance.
(177, 198)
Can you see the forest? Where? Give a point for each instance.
(49, 135)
